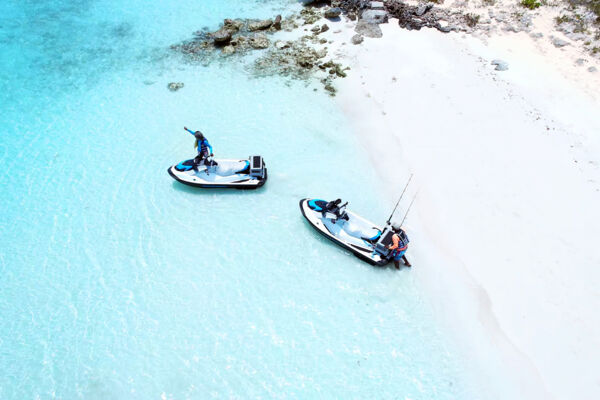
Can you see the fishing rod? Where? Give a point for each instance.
(408, 209)
(399, 200)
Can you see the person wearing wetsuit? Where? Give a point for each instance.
(399, 246)
(202, 145)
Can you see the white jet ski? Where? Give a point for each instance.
(354, 233)
(235, 174)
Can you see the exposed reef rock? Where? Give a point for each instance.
(333, 13)
(425, 15)
(259, 41)
(260, 25)
(175, 86)
(300, 59)
(277, 23)
(221, 36)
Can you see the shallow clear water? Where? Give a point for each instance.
(117, 282)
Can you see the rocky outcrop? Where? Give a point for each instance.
(277, 23)
(260, 25)
(222, 36)
(310, 15)
(259, 41)
(425, 15)
(333, 13)
(295, 58)
(175, 86)
(233, 25)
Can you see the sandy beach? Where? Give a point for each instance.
(507, 219)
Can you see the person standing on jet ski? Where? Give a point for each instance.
(202, 145)
(399, 246)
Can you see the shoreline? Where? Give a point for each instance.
(499, 126)
(431, 104)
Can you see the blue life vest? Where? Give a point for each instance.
(203, 147)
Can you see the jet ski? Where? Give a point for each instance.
(349, 230)
(235, 174)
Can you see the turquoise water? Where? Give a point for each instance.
(119, 283)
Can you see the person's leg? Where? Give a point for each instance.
(406, 261)
(397, 257)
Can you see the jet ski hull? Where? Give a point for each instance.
(356, 235)
(226, 174)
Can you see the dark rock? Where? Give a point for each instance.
(417, 17)
(316, 29)
(333, 13)
(330, 88)
(277, 23)
(339, 71)
(233, 25)
(352, 16)
(357, 39)
(175, 86)
(260, 25)
(324, 28)
(221, 36)
(368, 29)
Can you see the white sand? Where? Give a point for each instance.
(506, 229)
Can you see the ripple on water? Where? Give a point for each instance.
(118, 282)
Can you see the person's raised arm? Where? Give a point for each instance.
(189, 130)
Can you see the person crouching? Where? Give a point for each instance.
(399, 246)
(202, 145)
